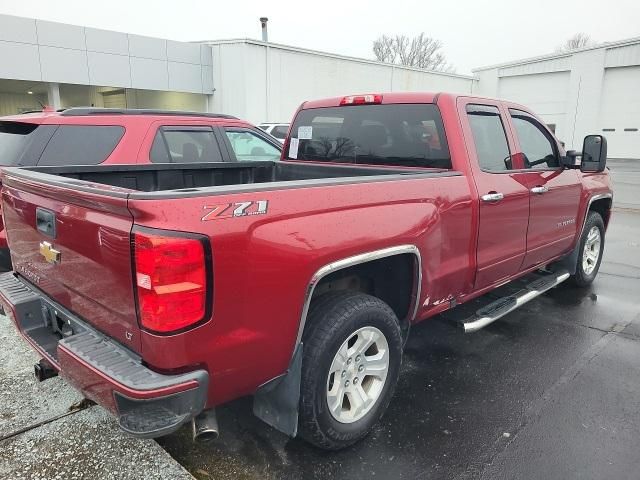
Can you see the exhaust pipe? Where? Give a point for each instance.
(205, 426)
(43, 370)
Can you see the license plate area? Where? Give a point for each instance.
(41, 321)
(54, 326)
(58, 324)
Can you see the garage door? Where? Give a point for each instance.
(620, 111)
(114, 99)
(545, 93)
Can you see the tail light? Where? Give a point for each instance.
(172, 279)
(362, 99)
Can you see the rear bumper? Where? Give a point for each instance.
(147, 404)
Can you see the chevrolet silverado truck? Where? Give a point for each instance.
(107, 136)
(163, 291)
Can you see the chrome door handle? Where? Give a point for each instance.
(539, 190)
(492, 197)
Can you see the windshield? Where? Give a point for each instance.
(410, 135)
(14, 138)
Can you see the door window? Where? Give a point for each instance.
(249, 146)
(537, 146)
(490, 138)
(185, 145)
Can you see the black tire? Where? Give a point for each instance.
(333, 318)
(581, 278)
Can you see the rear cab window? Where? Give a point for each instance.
(407, 135)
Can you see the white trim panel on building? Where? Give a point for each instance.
(60, 53)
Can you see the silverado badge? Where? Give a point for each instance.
(50, 254)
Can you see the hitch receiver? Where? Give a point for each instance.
(43, 370)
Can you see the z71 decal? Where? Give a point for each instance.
(232, 210)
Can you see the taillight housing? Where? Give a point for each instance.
(173, 279)
(368, 99)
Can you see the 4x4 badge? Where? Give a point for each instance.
(50, 254)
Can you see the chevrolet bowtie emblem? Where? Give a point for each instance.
(50, 254)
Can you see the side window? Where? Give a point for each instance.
(249, 146)
(280, 131)
(537, 147)
(81, 145)
(489, 137)
(185, 145)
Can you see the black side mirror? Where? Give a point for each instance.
(594, 154)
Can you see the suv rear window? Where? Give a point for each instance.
(410, 135)
(81, 144)
(14, 139)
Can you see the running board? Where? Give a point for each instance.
(504, 305)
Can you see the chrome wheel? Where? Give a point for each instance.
(591, 251)
(357, 375)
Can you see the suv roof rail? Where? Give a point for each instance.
(86, 111)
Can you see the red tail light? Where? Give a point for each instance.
(362, 99)
(171, 280)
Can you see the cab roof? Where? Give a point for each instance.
(387, 98)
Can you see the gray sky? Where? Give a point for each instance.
(474, 33)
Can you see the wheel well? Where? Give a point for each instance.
(603, 207)
(391, 279)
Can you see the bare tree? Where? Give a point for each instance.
(576, 41)
(420, 51)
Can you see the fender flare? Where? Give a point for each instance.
(570, 262)
(276, 401)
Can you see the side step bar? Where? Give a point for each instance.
(504, 305)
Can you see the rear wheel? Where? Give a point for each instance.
(352, 356)
(590, 252)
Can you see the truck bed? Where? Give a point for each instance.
(187, 180)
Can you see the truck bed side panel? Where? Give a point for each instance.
(264, 262)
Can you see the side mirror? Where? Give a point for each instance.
(570, 159)
(594, 154)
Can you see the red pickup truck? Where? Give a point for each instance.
(162, 291)
(107, 136)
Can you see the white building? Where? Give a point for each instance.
(592, 90)
(67, 65)
(266, 82)
(587, 91)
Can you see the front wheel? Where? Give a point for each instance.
(352, 356)
(590, 252)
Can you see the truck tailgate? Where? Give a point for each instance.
(74, 245)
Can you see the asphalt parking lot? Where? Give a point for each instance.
(550, 391)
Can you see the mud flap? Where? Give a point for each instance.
(570, 262)
(276, 402)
